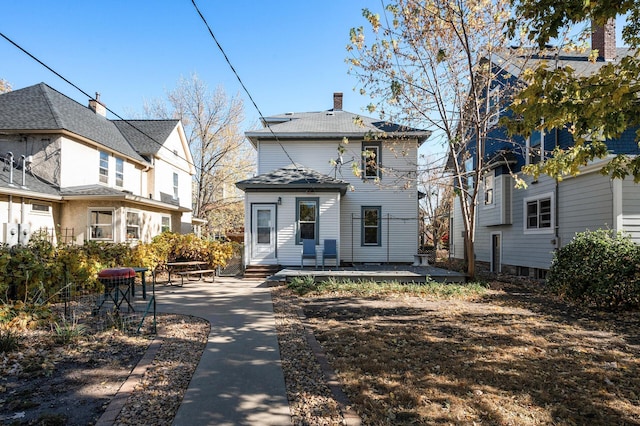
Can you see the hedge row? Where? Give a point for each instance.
(41, 270)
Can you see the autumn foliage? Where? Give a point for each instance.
(42, 271)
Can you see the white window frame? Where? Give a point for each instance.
(469, 174)
(43, 209)
(119, 172)
(488, 184)
(91, 225)
(103, 167)
(493, 105)
(552, 220)
(176, 188)
(135, 227)
(530, 148)
(164, 227)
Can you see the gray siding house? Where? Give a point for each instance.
(332, 175)
(519, 229)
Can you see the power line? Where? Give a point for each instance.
(226, 58)
(87, 95)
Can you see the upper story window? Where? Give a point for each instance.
(493, 114)
(175, 186)
(101, 224)
(468, 170)
(371, 160)
(133, 226)
(371, 229)
(104, 167)
(535, 147)
(307, 217)
(489, 179)
(119, 172)
(538, 214)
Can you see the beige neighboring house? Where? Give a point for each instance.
(82, 177)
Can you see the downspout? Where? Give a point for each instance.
(10, 210)
(22, 204)
(557, 202)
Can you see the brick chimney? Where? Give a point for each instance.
(97, 106)
(337, 101)
(603, 39)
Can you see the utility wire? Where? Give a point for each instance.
(89, 96)
(226, 58)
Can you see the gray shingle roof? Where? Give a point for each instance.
(40, 107)
(146, 136)
(293, 178)
(31, 183)
(331, 124)
(520, 58)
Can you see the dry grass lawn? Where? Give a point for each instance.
(513, 356)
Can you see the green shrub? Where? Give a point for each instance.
(39, 271)
(9, 341)
(67, 331)
(598, 268)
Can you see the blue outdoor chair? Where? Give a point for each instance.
(330, 252)
(308, 252)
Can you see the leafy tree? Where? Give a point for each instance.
(212, 123)
(436, 205)
(593, 108)
(426, 64)
(5, 86)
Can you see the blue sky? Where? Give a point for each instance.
(289, 54)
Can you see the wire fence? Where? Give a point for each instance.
(126, 305)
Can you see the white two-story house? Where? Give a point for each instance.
(80, 176)
(332, 175)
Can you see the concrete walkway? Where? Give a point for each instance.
(239, 380)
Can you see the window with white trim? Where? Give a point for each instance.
(40, 208)
(175, 186)
(535, 147)
(133, 225)
(468, 170)
(493, 115)
(119, 172)
(165, 224)
(101, 225)
(104, 167)
(538, 214)
(488, 188)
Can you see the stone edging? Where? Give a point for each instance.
(351, 418)
(118, 401)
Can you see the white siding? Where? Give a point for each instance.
(288, 252)
(631, 209)
(584, 202)
(396, 194)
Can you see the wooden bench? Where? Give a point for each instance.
(200, 272)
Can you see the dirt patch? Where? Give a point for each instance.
(48, 382)
(515, 357)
